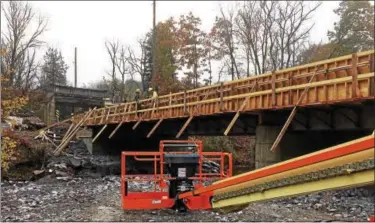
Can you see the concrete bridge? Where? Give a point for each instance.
(69, 100)
(335, 102)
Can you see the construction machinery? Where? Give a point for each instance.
(178, 168)
(350, 164)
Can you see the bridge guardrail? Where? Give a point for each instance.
(343, 78)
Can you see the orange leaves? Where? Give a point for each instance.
(11, 99)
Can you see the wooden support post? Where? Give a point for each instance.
(372, 80)
(273, 85)
(99, 133)
(185, 102)
(114, 114)
(236, 115)
(109, 112)
(354, 75)
(184, 127)
(170, 103)
(122, 121)
(154, 128)
(221, 96)
(292, 114)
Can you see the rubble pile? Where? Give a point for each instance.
(349, 204)
(24, 123)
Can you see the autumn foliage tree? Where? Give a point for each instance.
(11, 101)
(191, 47)
(355, 30)
(166, 60)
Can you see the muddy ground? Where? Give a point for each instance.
(97, 198)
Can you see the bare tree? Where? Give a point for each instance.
(31, 72)
(18, 41)
(122, 68)
(112, 50)
(273, 33)
(137, 63)
(291, 18)
(223, 37)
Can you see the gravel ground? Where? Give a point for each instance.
(97, 199)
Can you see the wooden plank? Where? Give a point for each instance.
(372, 80)
(184, 127)
(126, 106)
(55, 124)
(68, 132)
(154, 128)
(236, 115)
(234, 119)
(191, 117)
(170, 103)
(354, 75)
(63, 144)
(115, 130)
(291, 116)
(273, 85)
(185, 102)
(99, 133)
(136, 124)
(221, 96)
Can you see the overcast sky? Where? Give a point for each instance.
(86, 25)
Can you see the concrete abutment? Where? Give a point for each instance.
(296, 143)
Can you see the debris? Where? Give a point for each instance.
(38, 172)
(75, 162)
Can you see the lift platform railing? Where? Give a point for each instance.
(158, 196)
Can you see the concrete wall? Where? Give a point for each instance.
(295, 143)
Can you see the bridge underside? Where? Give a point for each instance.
(312, 129)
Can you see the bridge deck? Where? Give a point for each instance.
(341, 79)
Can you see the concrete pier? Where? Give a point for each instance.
(265, 136)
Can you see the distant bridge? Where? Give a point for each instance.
(73, 98)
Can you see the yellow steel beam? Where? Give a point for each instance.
(350, 180)
(300, 157)
(351, 158)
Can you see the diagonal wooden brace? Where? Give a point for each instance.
(154, 128)
(120, 124)
(190, 118)
(184, 127)
(230, 126)
(136, 124)
(99, 133)
(236, 115)
(292, 114)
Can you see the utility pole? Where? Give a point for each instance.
(154, 40)
(75, 67)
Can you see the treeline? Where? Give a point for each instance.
(251, 39)
(20, 42)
